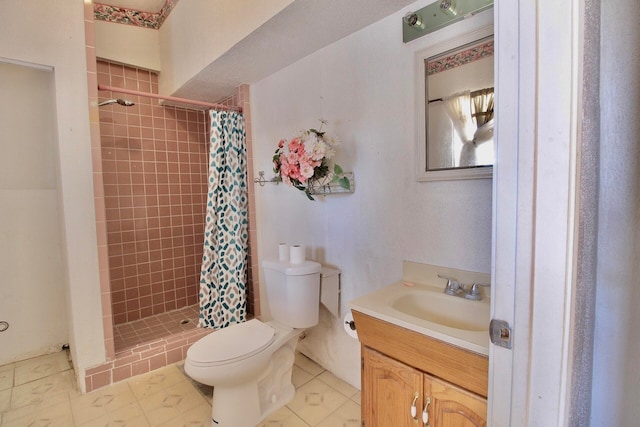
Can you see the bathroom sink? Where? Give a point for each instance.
(444, 310)
(428, 310)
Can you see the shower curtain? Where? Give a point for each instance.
(223, 277)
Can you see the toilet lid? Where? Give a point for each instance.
(233, 342)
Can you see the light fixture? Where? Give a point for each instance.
(413, 20)
(438, 15)
(448, 7)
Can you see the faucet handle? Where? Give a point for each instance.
(476, 284)
(474, 291)
(452, 284)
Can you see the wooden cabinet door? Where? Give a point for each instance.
(388, 391)
(452, 406)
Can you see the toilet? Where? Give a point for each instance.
(249, 364)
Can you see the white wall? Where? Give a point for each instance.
(197, 32)
(616, 373)
(363, 84)
(52, 34)
(128, 44)
(33, 287)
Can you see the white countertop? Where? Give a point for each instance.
(380, 304)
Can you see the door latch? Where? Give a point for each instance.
(500, 333)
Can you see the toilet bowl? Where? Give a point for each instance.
(249, 378)
(249, 364)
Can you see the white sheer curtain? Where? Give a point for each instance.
(482, 106)
(472, 119)
(458, 107)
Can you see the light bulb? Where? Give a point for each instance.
(412, 19)
(448, 7)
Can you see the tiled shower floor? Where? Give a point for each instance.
(129, 335)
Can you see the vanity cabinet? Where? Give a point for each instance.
(391, 389)
(402, 369)
(388, 390)
(453, 406)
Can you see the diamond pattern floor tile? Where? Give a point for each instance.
(315, 400)
(162, 398)
(40, 367)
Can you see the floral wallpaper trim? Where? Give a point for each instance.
(166, 10)
(457, 59)
(121, 15)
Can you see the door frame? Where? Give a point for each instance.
(538, 58)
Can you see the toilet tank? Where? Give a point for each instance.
(293, 292)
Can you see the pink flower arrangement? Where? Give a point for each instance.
(303, 161)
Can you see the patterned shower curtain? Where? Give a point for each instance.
(223, 277)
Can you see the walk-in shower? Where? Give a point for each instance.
(154, 170)
(154, 166)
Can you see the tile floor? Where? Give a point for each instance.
(41, 392)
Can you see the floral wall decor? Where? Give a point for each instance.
(304, 162)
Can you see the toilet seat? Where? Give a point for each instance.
(231, 344)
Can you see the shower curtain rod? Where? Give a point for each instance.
(170, 98)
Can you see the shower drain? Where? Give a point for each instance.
(185, 321)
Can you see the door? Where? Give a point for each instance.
(451, 406)
(390, 388)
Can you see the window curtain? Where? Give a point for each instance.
(223, 277)
(482, 106)
(471, 114)
(458, 107)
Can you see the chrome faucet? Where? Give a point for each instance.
(453, 286)
(474, 291)
(457, 289)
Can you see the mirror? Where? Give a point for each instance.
(456, 108)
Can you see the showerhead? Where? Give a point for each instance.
(124, 102)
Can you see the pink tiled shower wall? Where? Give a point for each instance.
(154, 166)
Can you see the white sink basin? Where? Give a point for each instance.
(428, 310)
(443, 309)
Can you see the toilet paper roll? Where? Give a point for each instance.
(283, 252)
(349, 325)
(296, 254)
